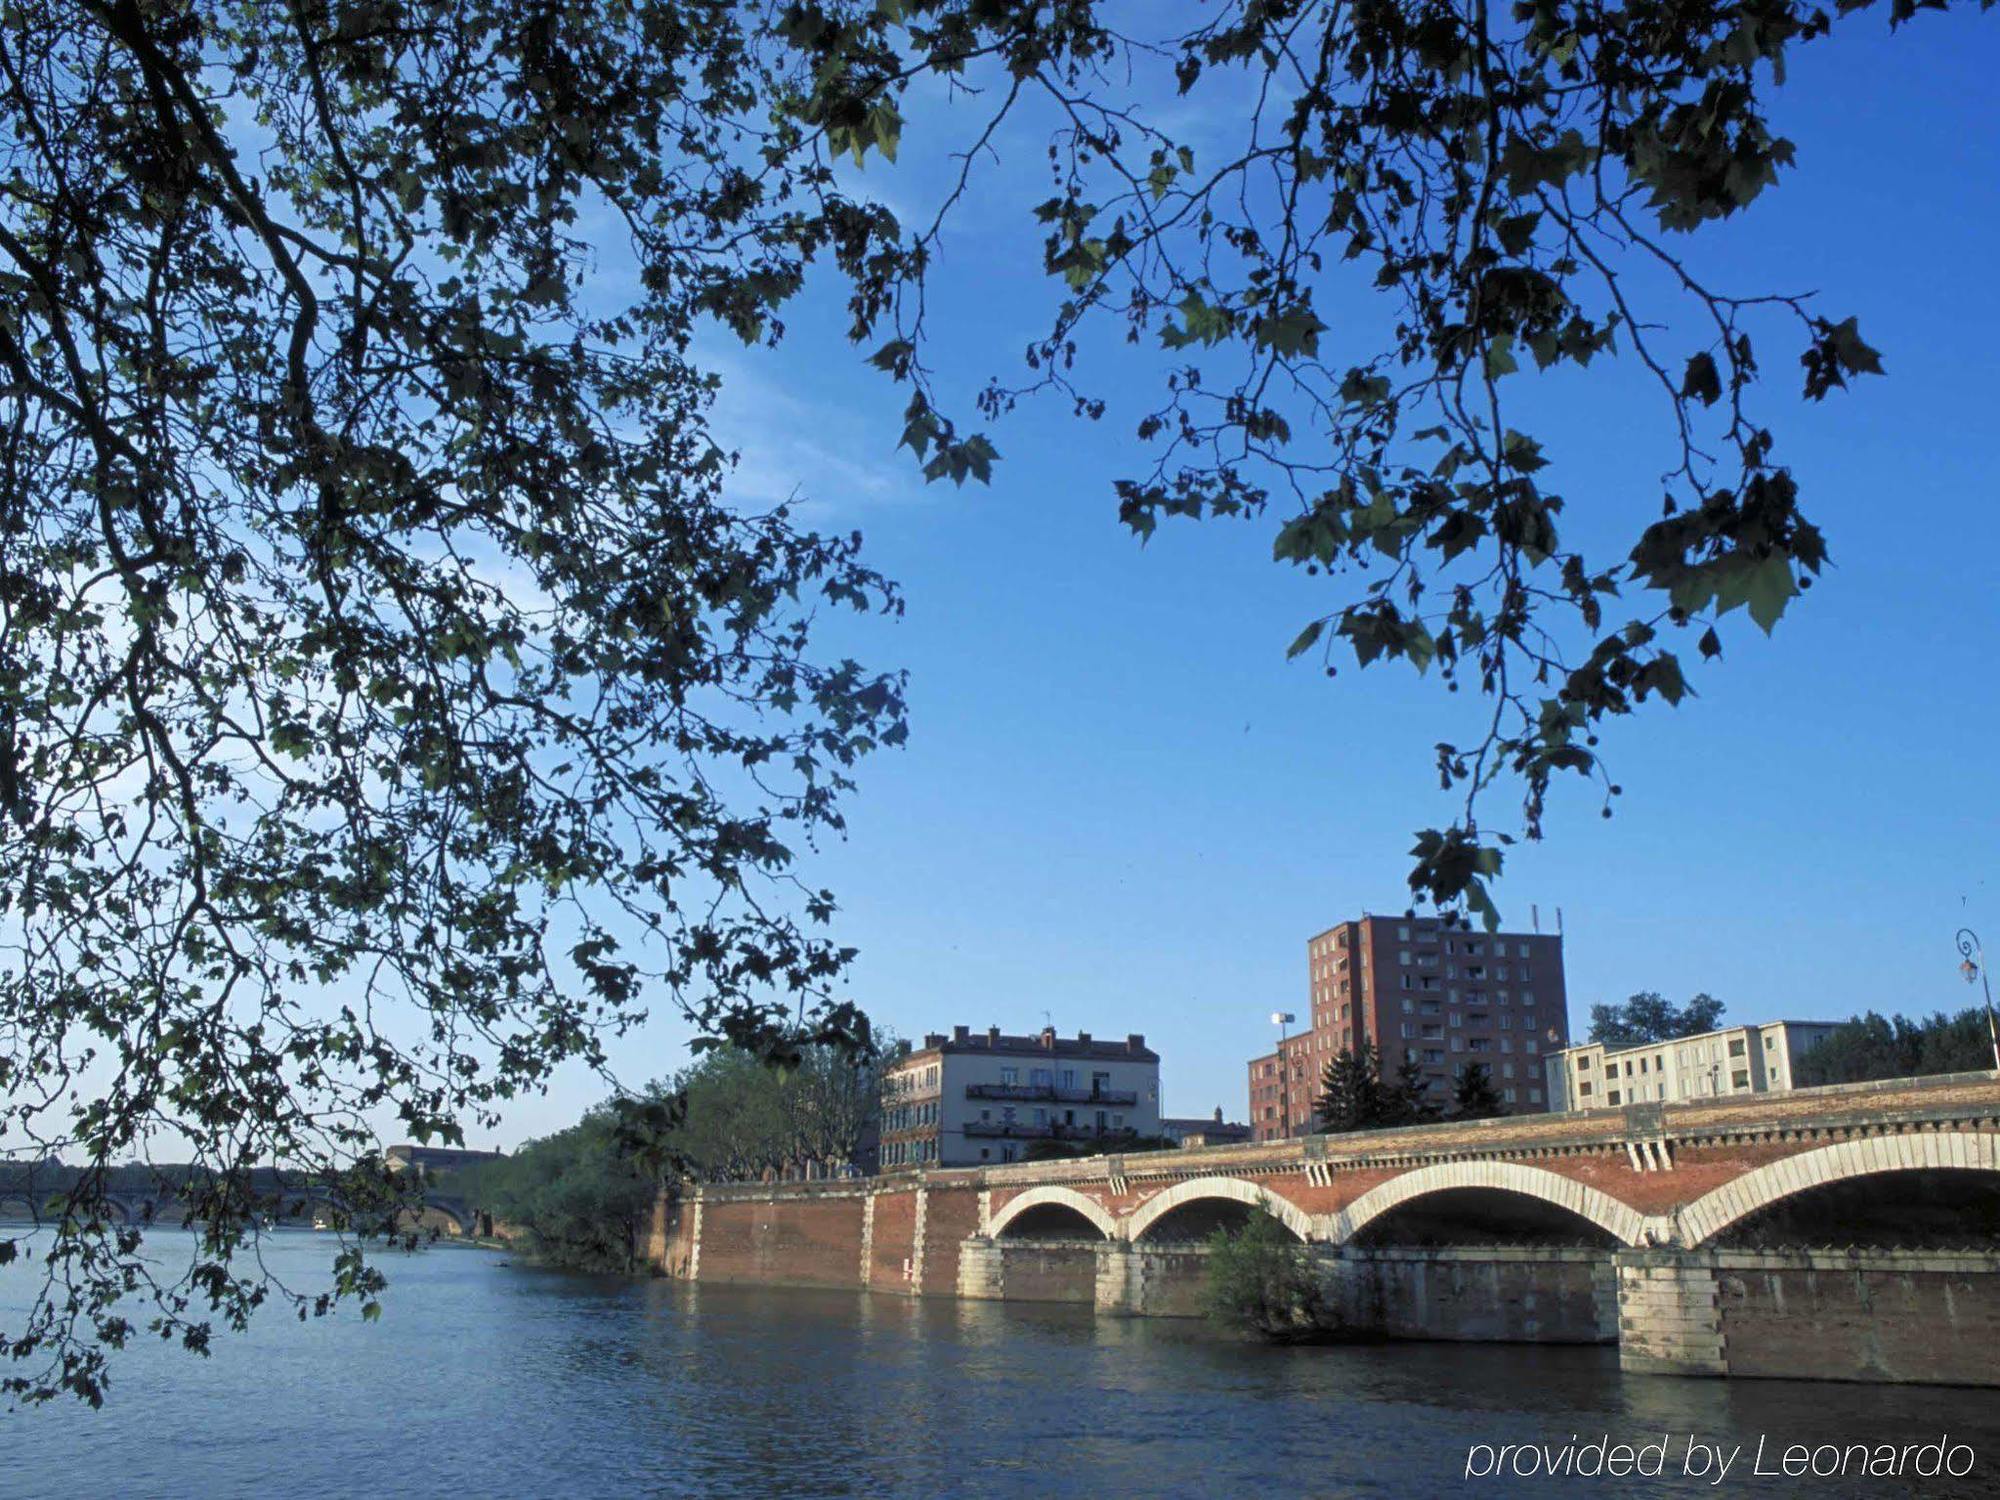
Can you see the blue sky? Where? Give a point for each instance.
(1122, 808)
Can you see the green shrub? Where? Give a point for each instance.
(1263, 1281)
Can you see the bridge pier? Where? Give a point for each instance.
(1922, 1317)
(1668, 1321)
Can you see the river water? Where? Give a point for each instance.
(504, 1380)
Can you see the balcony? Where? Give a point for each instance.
(1055, 1130)
(1044, 1093)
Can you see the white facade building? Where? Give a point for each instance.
(981, 1098)
(1735, 1060)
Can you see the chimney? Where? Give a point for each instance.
(1049, 1037)
(1218, 1114)
(933, 1039)
(993, 1036)
(960, 1033)
(1135, 1042)
(1082, 1038)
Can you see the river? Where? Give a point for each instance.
(492, 1378)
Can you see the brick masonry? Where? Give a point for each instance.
(1661, 1182)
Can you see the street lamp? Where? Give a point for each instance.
(1281, 1019)
(1973, 966)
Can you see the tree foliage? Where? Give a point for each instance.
(1874, 1046)
(1518, 185)
(741, 1119)
(576, 1199)
(1260, 1279)
(393, 704)
(1474, 1097)
(1355, 1096)
(1649, 1017)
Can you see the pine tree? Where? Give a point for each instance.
(1475, 1098)
(1351, 1094)
(1409, 1098)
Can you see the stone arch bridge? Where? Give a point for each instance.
(1851, 1230)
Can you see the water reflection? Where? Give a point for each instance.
(515, 1381)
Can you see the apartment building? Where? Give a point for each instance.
(1425, 986)
(980, 1098)
(1735, 1060)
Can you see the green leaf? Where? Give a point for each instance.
(1294, 332)
(1306, 639)
(1771, 588)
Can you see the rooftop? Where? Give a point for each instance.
(1044, 1043)
(1675, 1041)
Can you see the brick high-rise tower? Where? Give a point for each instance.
(1450, 995)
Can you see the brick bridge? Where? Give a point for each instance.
(1850, 1231)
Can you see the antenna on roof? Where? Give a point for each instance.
(1559, 920)
(1535, 912)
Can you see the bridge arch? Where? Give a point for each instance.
(1617, 1219)
(1232, 1189)
(1947, 1150)
(1053, 1193)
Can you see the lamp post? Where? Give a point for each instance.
(1973, 966)
(1282, 1019)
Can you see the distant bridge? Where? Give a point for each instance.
(450, 1216)
(1851, 1230)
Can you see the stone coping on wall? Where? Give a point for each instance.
(1848, 1106)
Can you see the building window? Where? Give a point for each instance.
(1508, 1095)
(1740, 1079)
(1584, 1088)
(1736, 1046)
(1612, 1097)
(1534, 1096)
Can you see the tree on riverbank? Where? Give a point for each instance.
(572, 1199)
(744, 1120)
(1260, 1279)
(1873, 1046)
(583, 1197)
